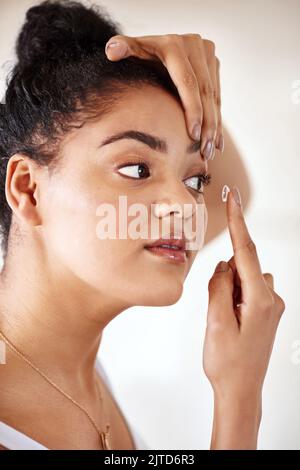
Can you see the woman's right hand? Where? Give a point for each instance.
(195, 71)
(239, 339)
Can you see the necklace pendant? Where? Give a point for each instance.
(104, 440)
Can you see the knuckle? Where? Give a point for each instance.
(266, 306)
(211, 126)
(200, 114)
(189, 79)
(218, 284)
(219, 127)
(218, 100)
(173, 38)
(280, 304)
(215, 282)
(210, 46)
(192, 36)
(207, 90)
(266, 303)
(215, 326)
(268, 275)
(251, 247)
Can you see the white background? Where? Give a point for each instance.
(154, 356)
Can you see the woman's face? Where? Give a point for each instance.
(91, 174)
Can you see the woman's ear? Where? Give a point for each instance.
(21, 188)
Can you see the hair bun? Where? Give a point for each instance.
(62, 28)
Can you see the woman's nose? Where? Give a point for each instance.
(177, 201)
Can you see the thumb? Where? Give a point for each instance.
(117, 48)
(220, 288)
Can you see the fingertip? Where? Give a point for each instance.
(195, 131)
(269, 279)
(237, 196)
(220, 143)
(231, 263)
(221, 267)
(234, 198)
(225, 192)
(116, 50)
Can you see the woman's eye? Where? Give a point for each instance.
(196, 183)
(139, 170)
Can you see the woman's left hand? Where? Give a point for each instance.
(194, 69)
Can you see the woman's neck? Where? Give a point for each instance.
(52, 317)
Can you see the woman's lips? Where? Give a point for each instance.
(173, 254)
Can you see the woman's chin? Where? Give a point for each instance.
(161, 297)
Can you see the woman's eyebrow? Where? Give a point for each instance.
(152, 141)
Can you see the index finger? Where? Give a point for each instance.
(245, 253)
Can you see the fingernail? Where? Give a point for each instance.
(225, 191)
(237, 196)
(220, 145)
(196, 132)
(222, 266)
(120, 46)
(208, 150)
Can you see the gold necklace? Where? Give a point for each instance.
(103, 435)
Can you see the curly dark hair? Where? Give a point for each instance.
(63, 78)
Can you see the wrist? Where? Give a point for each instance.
(237, 419)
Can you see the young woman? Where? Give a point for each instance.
(79, 131)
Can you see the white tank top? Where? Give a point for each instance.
(16, 440)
